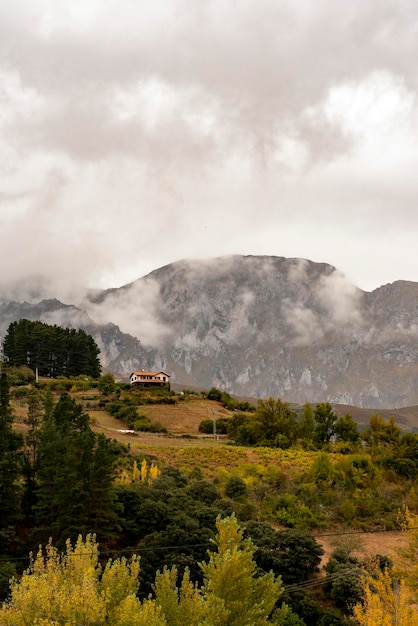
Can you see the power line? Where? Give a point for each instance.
(131, 551)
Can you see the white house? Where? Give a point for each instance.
(149, 379)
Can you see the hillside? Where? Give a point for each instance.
(184, 447)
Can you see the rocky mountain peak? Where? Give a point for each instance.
(258, 326)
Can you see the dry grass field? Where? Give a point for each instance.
(184, 417)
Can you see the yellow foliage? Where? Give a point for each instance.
(407, 561)
(72, 589)
(124, 478)
(143, 474)
(67, 589)
(136, 473)
(144, 471)
(154, 471)
(184, 605)
(231, 585)
(385, 603)
(131, 613)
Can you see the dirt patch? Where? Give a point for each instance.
(363, 545)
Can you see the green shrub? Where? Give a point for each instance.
(206, 426)
(235, 488)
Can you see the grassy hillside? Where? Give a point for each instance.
(348, 498)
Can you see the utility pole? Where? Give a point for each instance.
(214, 423)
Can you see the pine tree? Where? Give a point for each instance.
(74, 477)
(30, 456)
(10, 466)
(53, 350)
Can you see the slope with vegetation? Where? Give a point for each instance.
(283, 473)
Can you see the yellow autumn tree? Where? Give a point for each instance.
(407, 558)
(231, 583)
(146, 473)
(392, 600)
(386, 603)
(74, 589)
(183, 604)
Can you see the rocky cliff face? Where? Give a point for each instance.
(255, 326)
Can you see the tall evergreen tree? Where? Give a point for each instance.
(30, 456)
(53, 350)
(74, 477)
(10, 446)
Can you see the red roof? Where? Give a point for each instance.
(142, 373)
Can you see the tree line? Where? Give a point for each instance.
(52, 350)
(274, 424)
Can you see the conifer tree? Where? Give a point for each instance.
(30, 456)
(74, 477)
(10, 466)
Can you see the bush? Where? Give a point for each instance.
(343, 582)
(206, 426)
(235, 488)
(106, 384)
(19, 375)
(144, 425)
(19, 392)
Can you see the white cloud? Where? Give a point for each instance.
(134, 134)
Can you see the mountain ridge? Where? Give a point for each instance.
(256, 326)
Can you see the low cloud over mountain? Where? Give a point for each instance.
(255, 326)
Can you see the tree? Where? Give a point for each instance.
(74, 589)
(407, 562)
(386, 602)
(390, 599)
(10, 445)
(343, 582)
(106, 384)
(53, 350)
(230, 579)
(346, 429)
(275, 423)
(183, 604)
(291, 553)
(306, 426)
(325, 420)
(74, 477)
(236, 487)
(30, 456)
(382, 433)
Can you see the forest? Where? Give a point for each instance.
(51, 350)
(194, 531)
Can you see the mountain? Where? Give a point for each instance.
(254, 326)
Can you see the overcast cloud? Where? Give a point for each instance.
(134, 134)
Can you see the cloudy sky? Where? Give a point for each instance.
(136, 133)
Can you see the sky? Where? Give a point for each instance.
(135, 133)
